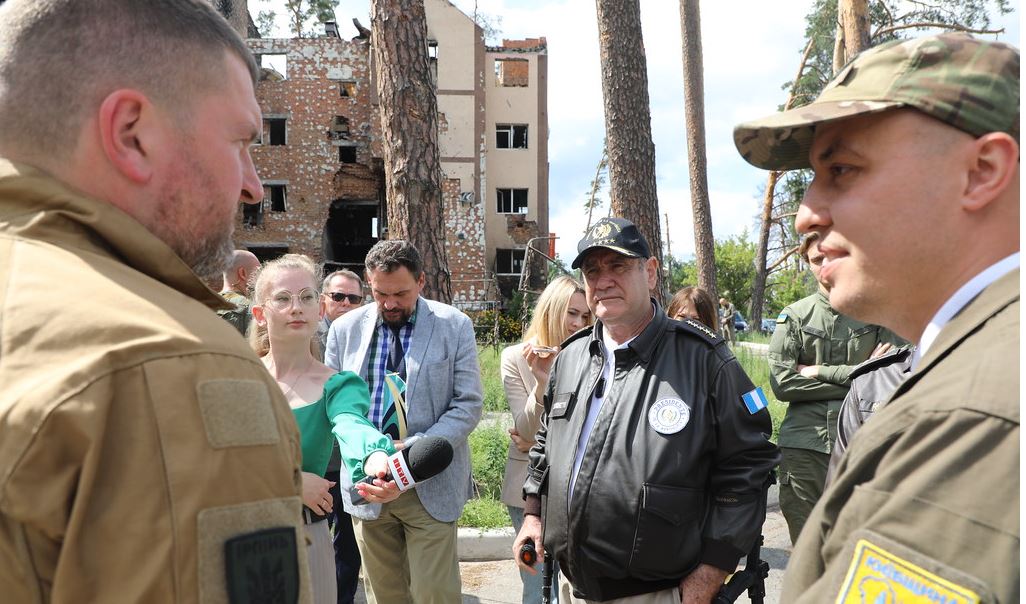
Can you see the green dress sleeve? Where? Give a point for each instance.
(347, 403)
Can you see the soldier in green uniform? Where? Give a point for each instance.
(915, 151)
(811, 354)
(235, 288)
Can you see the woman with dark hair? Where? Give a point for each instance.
(694, 303)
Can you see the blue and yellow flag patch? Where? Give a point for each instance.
(876, 576)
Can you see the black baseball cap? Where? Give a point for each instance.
(617, 234)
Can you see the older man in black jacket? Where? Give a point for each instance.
(654, 450)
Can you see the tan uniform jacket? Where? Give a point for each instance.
(138, 432)
(926, 500)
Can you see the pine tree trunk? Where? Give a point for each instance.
(694, 123)
(762, 252)
(852, 30)
(632, 181)
(409, 133)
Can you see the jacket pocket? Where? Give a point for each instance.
(668, 533)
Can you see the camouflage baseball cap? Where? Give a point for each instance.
(617, 234)
(967, 83)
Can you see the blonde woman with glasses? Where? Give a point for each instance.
(560, 312)
(326, 404)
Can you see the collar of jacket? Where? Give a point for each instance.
(644, 344)
(37, 205)
(993, 299)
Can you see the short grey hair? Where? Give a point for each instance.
(60, 58)
(387, 256)
(348, 274)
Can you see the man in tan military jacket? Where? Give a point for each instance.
(915, 152)
(145, 453)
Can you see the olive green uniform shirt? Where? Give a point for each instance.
(926, 500)
(811, 332)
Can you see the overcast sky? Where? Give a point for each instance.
(750, 47)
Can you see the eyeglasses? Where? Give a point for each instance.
(283, 299)
(339, 296)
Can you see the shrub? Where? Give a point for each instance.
(509, 326)
(485, 514)
(491, 379)
(488, 450)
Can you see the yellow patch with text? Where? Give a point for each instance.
(877, 576)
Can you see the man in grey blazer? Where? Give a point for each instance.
(408, 543)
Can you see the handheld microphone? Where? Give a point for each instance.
(427, 456)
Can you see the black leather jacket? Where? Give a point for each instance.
(647, 506)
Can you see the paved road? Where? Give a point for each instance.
(498, 582)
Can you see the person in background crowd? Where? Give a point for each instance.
(235, 287)
(727, 312)
(285, 315)
(694, 303)
(404, 341)
(812, 353)
(914, 148)
(145, 454)
(560, 312)
(342, 291)
(654, 449)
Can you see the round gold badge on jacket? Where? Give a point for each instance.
(669, 415)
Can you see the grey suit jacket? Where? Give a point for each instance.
(443, 393)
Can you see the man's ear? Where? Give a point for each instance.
(995, 164)
(126, 123)
(652, 271)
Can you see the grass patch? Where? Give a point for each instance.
(754, 336)
(491, 381)
(485, 514)
(489, 446)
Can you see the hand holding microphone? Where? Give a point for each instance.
(388, 476)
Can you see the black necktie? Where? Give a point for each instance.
(396, 354)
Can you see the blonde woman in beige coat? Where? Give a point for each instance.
(561, 310)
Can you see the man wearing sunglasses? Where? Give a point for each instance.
(341, 292)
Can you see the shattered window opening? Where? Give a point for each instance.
(276, 132)
(511, 136)
(277, 196)
(509, 262)
(347, 88)
(511, 201)
(512, 72)
(347, 155)
(252, 214)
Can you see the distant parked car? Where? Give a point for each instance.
(768, 325)
(739, 322)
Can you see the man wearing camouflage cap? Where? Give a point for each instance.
(915, 149)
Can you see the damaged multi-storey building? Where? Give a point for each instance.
(321, 163)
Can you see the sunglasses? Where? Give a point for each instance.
(338, 297)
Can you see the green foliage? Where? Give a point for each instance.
(509, 327)
(485, 514)
(786, 287)
(301, 14)
(491, 380)
(735, 269)
(489, 445)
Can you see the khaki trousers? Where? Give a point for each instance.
(408, 556)
(666, 596)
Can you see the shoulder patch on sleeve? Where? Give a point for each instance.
(782, 317)
(755, 401)
(882, 573)
(237, 413)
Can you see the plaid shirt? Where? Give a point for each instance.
(378, 362)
